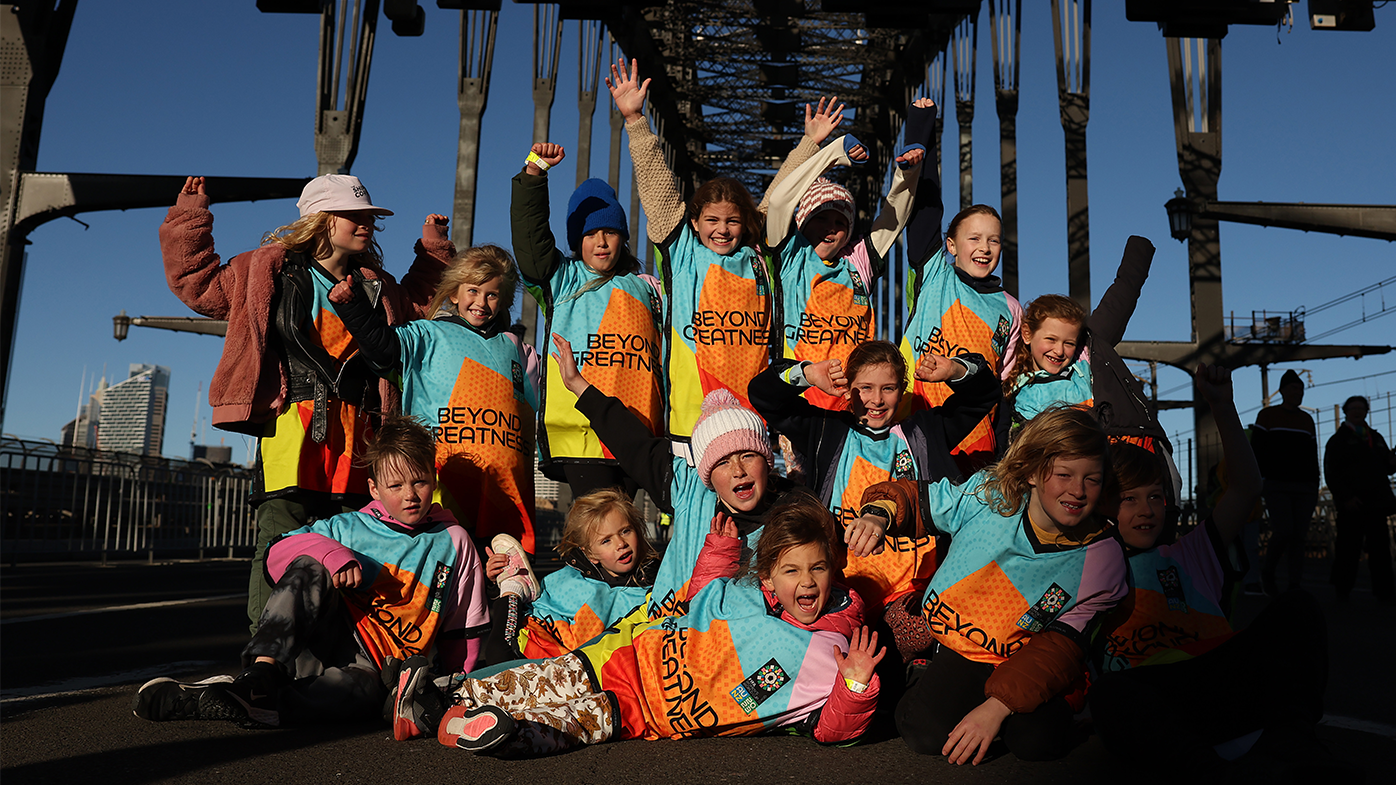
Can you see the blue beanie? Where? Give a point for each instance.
(593, 206)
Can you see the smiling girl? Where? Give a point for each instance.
(288, 374)
(465, 373)
(1030, 568)
(719, 308)
(597, 298)
(848, 451)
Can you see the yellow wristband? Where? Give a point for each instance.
(537, 160)
(854, 686)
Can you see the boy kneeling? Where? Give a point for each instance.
(360, 600)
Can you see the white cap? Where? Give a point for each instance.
(333, 193)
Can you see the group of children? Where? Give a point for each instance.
(998, 596)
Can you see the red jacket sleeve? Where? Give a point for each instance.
(847, 714)
(1046, 665)
(720, 557)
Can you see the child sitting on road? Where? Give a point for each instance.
(356, 595)
(610, 566)
(747, 651)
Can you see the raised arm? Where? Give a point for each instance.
(896, 207)
(777, 394)
(923, 234)
(819, 123)
(659, 193)
(785, 198)
(378, 342)
(974, 394)
(1111, 316)
(535, 247)
(192, 268)
(1234, 507)
(433, 253)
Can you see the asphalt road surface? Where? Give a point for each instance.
(77, 639)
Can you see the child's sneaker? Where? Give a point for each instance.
(518, 577)
(159, 700)
(477, 730)
(418, 705)
(252, 698)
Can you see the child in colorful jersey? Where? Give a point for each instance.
(732, 476)
(956, 308)
(356, 596)
(288, 374)
(1175, 675)
(609, 566)
(825, 277)
(466, 373)
(596, 298)
(720, 305)
(786, 650)
(849, 451)
(1029, 569)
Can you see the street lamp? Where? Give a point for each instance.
(1179, 216)
(121, 324)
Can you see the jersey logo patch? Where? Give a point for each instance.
(1001, 335)
(903, 467)
(759, 686)
(758, 272)
(1173, 589)
(1045, 610)
(439, 579)
(860, 290)
(516, 371)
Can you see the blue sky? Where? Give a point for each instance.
(222, 89)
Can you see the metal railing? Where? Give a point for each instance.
(63, 502)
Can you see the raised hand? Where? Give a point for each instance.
(1214, 382)
(828, 376)
(628, 91)
(858, 154)
(193, 186)
(911, 157)
(723, 526)
(862, 658)
(935, 368)
(552, 155)
(923, 103)
(821, 122)
(434, 228)
(572, 378)
(865, 535)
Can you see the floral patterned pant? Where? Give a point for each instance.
(553, 701)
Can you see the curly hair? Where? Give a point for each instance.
(1047, 306)
(1060, 432)
(727, 189)
(311, 235)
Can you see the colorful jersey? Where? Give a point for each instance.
(730, 666)
(482, 405)
(827, 306)
(694, 506)
(1032, 394)
(572, 610)
(905, 564)
(999, 583)
(950, 318)
(418, 582)
(718, 324)
(615, 333)
(1173, 608)
(290, 457)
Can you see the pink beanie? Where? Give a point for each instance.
(824, 194)
(726, 427)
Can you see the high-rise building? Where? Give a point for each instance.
(82, 431)
(133, 412)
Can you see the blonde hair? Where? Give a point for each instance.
(478, 265)
(311, 235)
(1063, 432)
(586, 516)
(399, 440)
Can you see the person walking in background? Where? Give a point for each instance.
(1286, 444)
(1356, 462)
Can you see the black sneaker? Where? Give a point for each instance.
(418, 705)
(159, 700)
(252, 699)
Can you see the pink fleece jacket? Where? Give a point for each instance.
(249, 385)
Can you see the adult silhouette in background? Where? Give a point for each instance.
(1286, 444)
(1356, 462)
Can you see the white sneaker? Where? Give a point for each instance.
(518, 577)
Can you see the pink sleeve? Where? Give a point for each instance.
(720, 557)
(1102, 585)
(1006, 366)
(331, 553)
(847, 714)
(469, 612)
